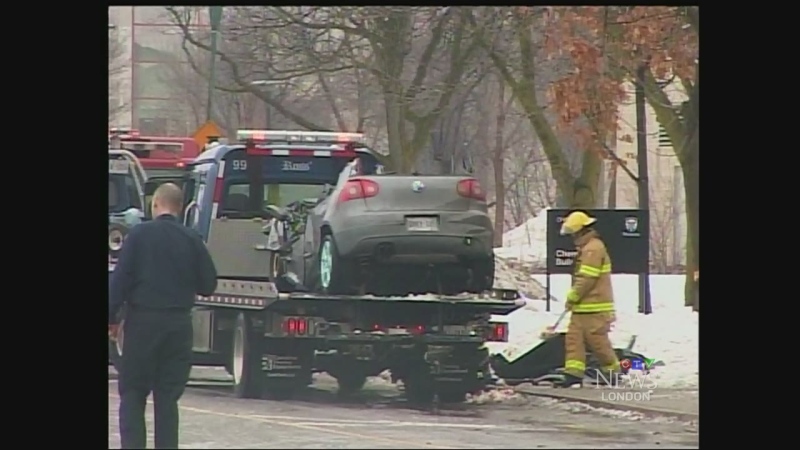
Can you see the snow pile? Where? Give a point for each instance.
(578, 408)
(495, 396)
(526, 245)
(509, 275)
(670, 334)
(523, 251)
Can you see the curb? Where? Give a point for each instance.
(646, 410)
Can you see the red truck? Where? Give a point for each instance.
(161, 157)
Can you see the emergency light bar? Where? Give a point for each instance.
(137, 146)
(290, 137)
(122, 132)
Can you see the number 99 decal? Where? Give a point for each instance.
(239, 164)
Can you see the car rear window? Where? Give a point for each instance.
(237, 196)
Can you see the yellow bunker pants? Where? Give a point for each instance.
(589, 329)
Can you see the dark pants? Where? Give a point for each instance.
(157, 358)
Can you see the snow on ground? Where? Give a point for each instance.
(670, 334)
(526, 244)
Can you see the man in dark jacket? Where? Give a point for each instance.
(162, 267)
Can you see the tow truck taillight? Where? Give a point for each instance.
(356, 188)
(497, 332)
(471, 188)
(298, 326)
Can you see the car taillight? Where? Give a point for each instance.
(498, 332)
(296, 325)
(471, 188)
(356, 188)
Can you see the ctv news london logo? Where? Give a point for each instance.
(635, 386)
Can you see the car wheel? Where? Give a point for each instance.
(333, 275)
(277, 267)
(482, 275)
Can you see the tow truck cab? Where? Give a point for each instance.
(126, 202)
(230, 185)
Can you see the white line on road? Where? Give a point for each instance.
(350, 434)
(336, 423)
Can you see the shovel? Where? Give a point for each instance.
(551, 330)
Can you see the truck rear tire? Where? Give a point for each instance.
(246, 360)
(351, 383)
(419, 389)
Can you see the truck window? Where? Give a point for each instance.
(283, 180)
(122, 193)
(237, 195)
(113, 195)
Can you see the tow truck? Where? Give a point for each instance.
(126, 200)
(272, 341)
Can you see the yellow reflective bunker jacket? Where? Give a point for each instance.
(591, 290)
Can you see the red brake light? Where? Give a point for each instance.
(358, 188)
(498, 332)
(295, 325)
(419, 329)
(180, 165)
(471, 188)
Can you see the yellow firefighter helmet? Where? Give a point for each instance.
(575, 222)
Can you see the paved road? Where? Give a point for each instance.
(379, 418)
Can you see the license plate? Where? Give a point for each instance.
(422, 223)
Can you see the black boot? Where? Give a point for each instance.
(568, 380)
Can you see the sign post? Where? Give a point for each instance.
(626, 233)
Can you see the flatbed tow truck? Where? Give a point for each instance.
(272, 342)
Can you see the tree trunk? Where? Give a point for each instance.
(498, 163)
(691, 184)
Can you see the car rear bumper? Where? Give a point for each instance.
(461, 235)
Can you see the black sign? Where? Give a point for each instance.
(624, 231)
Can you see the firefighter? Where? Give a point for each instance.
(163, 265)
(591, 300)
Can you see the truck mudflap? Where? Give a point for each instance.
(546, 359)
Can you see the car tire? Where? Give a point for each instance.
(333, 274)
(482, 275)
(277, 267)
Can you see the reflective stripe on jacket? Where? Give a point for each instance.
(591, 290)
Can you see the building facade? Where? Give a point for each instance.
(150, 56)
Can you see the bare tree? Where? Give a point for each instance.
(410, 60)
(667, 249)
(117, 66)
